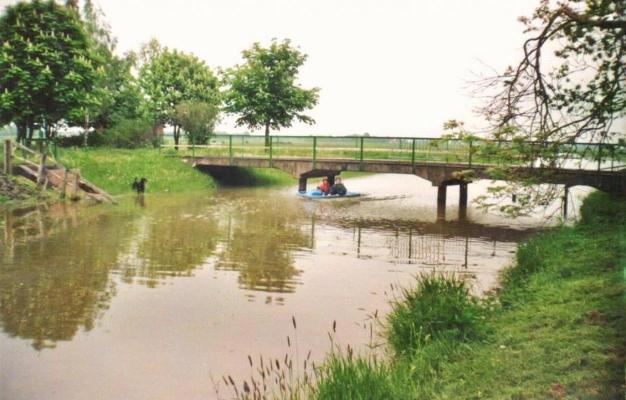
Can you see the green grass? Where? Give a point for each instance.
(437, 308)
(348, 377)
(561, 331)
(115, 169)
(556, 329)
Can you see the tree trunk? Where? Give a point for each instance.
(176, 136)
(30, 132)
(86, 129)
(48, 132)
(21, 133)
(267, 134)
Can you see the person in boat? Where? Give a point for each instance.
(324, 187)
(338, 188)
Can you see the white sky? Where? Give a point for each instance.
(393, 68)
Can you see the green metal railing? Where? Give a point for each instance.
(467, 152)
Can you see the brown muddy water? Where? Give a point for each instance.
(157, 297)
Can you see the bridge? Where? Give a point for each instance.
(442, 161)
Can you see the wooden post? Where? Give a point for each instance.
(76, 184)
(64, 184)
(302, 185)
(41, 172)
(331, 180)
(7, 156)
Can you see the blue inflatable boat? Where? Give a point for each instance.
(317, 195)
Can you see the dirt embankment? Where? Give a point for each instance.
(11, 190)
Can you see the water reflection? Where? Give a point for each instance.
(61, 264)
(261, 246)
(46, 296)
(170, 240)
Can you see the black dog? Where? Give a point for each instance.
(139, 185)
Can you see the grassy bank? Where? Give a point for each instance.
(115, 169)
(557, 328)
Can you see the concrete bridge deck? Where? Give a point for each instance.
(443, 161)
(438, 173)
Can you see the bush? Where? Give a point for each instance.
(129, 133)
(93, 140)
(71, 141)
(438, 307)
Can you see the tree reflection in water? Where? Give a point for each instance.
(259, 244)
(54, 277)
(170, 241)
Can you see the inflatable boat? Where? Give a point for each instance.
(317, 195)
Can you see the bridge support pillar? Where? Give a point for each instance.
(441, 201)
(463, 200)
(331, 180)
(302, 185)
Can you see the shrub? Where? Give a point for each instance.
(438, 307)
(129, 133)
(94, 139)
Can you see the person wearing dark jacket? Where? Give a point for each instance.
(338, 188)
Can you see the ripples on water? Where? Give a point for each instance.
(147, 299)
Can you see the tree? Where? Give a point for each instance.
(584, 93)
(169, 78)
(576, 95)
(46, 69)
(116, 96)
(263, 91)
(197, 119)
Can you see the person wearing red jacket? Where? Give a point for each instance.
(324, 187)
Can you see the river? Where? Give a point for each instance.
(159, 297)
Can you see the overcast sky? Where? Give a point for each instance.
(394, 67)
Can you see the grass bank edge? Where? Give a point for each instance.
(554, 330)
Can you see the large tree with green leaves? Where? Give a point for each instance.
(568, 87)
(116, 95)
(46, 67)
(169, 78)
(263, 91)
